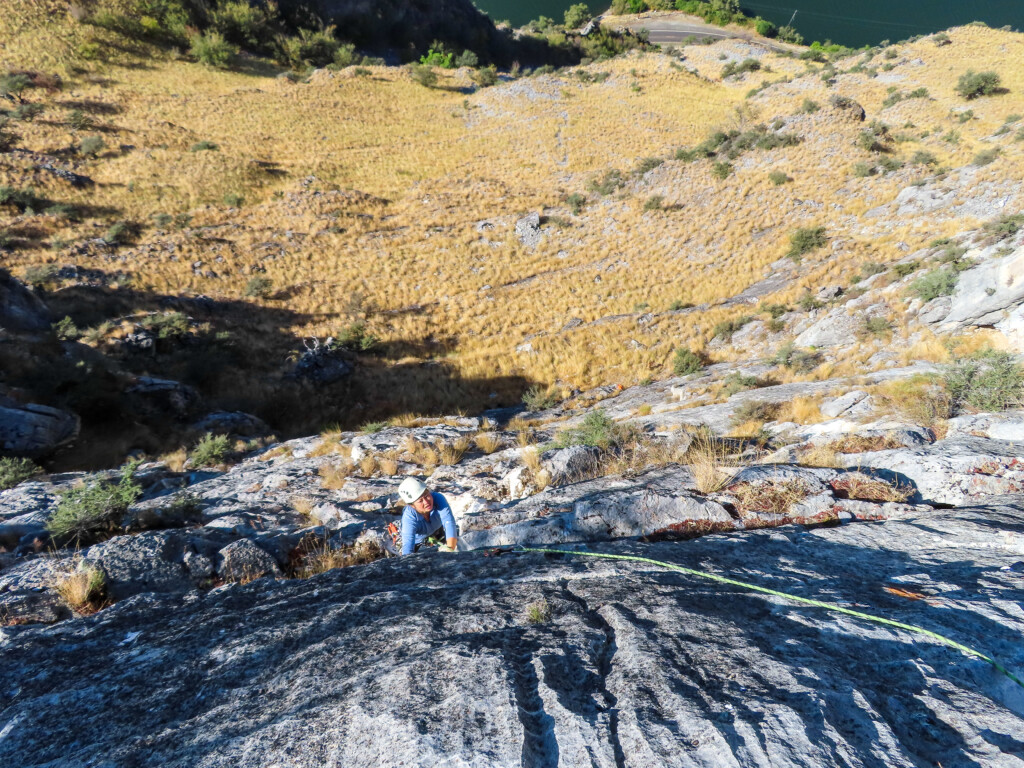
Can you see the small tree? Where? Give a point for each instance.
(91, 146)
(577, 16)
(806, 239)
(212, 49)
(973, 84)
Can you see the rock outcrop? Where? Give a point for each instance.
(525, 659)
(34, 430)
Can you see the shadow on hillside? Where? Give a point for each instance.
(235, 356)
(253, 66)
(91, 106)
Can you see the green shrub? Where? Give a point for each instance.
(862, 170)
(345, 56)
(647, 164)
(973, 84)
(788, 34)
(80, 121)
(778, 178)
(437, 58)
(94, 510)
(678, 304)
(909, 267)
(91, 146)
(737, 382)
(765, 28)
(875, 326)
(204, 146)
(989, 380)
(773, 310)
(923, 157)
(576, 16)
(467, 59)
(754, 410)
(357, 338)
(1000, 229)
(739, 68)
(726, 328)
(809, 106)
(373, 427)
(654, 203)
(23, 199)
(424, 75)
(808, 302)
(15, 471)
(686, 361)
(721, 170)
(40, 275)
(597, 430)
(12, 84)
(985, 157)
(538, 398)
(119, 233)
(576, 202)
(258, 287)
(485, 77)
(211, 450)
(167, 325)
(806, 239)
(27, 112)
(799, 360)
(611, 181)
(212, 49)
(311, 48)
(65, 329)
(243, 23)
(938, 282)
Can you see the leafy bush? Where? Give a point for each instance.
(721, 170)
(167, 325)
(485, 77)
(989, 380)
(923, 157)
(258, 287)
(438, 58)
(806, 239)
(234, 200)
(765, 28)
(15, 471)
(799, 360)
(734, 68)
(1000, 229)
(212, 49)
(737, 382)
(973, 84)
(862, 170)
(909, 267)
(608, 183)
(8, 138)
(647, 164)
(678, 304)
(756, 411)
(809, 106)
(778, 178)
(654, 203)
(686, 361)
(424, 75)
(357, 338)
(93, 510)
(311, 48)
(985, 157)
(875, 326)
(576, 202)
(938, 282)
(467, 59)
(538, 398)
(22, 199)
(598, 430)
(91, 146)
(27, 112)
(577, 16)
(65, 329)
(210, 451)
(80, 121)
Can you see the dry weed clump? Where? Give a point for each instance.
(175, 460)
(334, 475)
(706, 457)
(857, 485)
(820, 456)
(921, 399)
(303, 505)
(450, 454)
(314, 556)
(865, 443)
(489, 442)
(388, 463)
(327, 446)
(367, 465)
(770, 496)
(84, 589)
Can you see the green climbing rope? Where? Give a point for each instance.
(795, 598)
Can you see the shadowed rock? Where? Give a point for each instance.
(433, 660)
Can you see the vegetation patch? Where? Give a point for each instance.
(988, 380)
(83, 590)
(597, 430)
(211, 451)
(806, 239)
(686, 361)
(94, 510)
(773, 497)
(857, 485)
(864, 443)
(14, 471)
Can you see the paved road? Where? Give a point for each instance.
(670, 28)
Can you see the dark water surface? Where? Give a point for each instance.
(851, 22)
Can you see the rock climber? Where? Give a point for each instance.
(427, 517)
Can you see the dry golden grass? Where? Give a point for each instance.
(864, 444)
(451, 453)
(315, 556)
(83, 589)
(775, 497)
(388, 463)
(821, 456)
(398, 209)
(856, 485)
(489, 442)
(175, 460)
(302, 504)
(368, 465)
(334, 475)
(921, 399)
(707, 457)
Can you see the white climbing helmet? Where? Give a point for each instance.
(411, 489)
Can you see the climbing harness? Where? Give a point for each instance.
(796, 598)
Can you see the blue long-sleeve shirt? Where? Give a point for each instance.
(416, 529)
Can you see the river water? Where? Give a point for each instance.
(866, 22)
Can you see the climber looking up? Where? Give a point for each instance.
(427, 517)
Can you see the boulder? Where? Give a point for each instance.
(1008, 425)
(148, 562)
(567, 465)
(323, 363)
(244, 561)
(986, 293)
(528, 230)
(34, 430)
(842, 404)
(468, 661)
(157, 398)
(232, 423)
(20, 309)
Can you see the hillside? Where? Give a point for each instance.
(368, 205)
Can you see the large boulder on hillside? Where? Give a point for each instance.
(469, 661)
(20, 309)
(34, 430)
(148, 562)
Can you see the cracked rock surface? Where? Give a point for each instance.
(432, 660)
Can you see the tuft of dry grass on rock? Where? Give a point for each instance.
(451, 453)
(175, 460)
(857, 485)
(538, 612)
(776, 497)
(303, 505)
(864, 443)
(314, 555)
(489, 442)
(84, 589)
(920, 399)
(334, 475)
(821, 456)
(706, 457)
(367, 465)
(388, 463)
